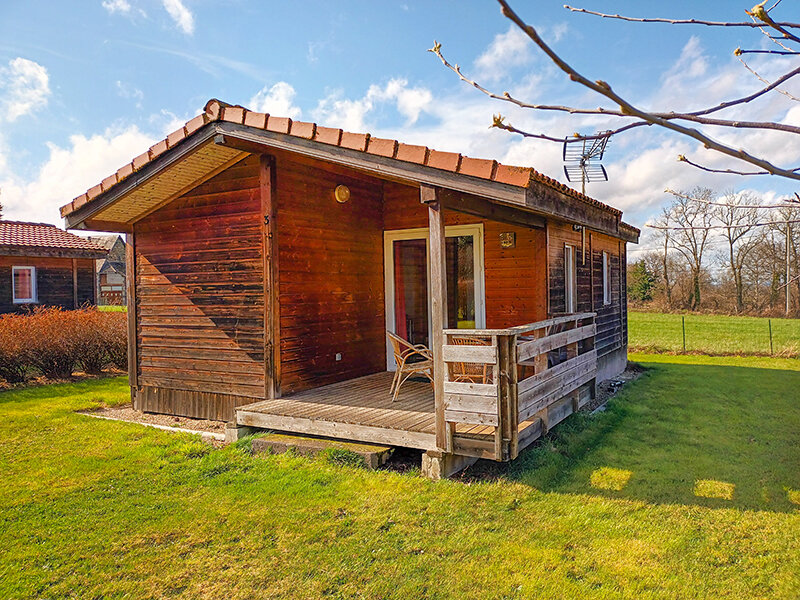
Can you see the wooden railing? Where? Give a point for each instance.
(519, 381)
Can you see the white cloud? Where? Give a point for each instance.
(182, 16)
(24, 88)
(507, 50)
(117, 6)
(68, 172)
(352, 115)
(276, 100)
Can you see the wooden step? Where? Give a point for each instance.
(374, 456)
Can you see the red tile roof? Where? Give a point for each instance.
(449, 161)
(42, 235)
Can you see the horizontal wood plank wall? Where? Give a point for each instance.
(53, 282)
(514, 277)
(330, 257)
(200, 298)
(610, 334)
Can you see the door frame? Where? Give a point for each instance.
(419, 233)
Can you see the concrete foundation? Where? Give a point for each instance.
(372, 455)
(612, 364)
(438, 465)
(234, 432)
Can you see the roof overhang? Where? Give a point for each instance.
(219, 144)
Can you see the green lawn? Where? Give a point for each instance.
(688, 486)
(112, 308)
(713, 334)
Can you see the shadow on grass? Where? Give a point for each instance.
(693, 434)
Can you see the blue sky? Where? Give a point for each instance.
(85, 86)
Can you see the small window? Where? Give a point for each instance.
(23, 284)
(606, 279)
(570, 280)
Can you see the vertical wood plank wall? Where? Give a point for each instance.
(200, 298)
(54, 282)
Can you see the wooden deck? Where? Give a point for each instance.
(362, 410)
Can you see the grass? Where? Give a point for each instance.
(686, 487)
(112, 308)
(713, 334)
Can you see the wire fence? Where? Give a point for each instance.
(713, 334)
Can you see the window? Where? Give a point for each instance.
(606, 279)
(570, 280)
(23, 283)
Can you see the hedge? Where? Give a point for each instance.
(55, 342)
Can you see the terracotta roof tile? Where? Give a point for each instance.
(477, 167)
(326, 135)
(109, 181)
(94, 191)
(303, 129)
(279, 124)
(409, 153)
(519, 176)
(196, 123)
(382, 147)
(354, 141)
(176, 136)
(141, 160)
(42, 235)
(158, 148)
(216, 110)
(235, 114)
(255, 119)
(447, 161)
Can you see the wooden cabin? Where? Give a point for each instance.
(42, 265)
(110, 270)
(267, 259)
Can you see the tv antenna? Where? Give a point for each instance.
(582, 159)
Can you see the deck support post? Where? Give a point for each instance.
(441, 465)
(438, 261)
(234, 432)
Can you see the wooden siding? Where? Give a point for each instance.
(200, 298)
(611, 318)
(514, 277)
(54, 284)
(330, 257)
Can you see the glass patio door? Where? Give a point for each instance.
(407, 282)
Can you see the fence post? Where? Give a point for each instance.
(771, 351)
(683, 327)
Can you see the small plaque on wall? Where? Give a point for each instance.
(508, 239)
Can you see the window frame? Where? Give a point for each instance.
(570, 279)
(606, 278)
(34, 288)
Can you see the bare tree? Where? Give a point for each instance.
(663, 237)
(783, 34)
(739, 215)
(693, 222)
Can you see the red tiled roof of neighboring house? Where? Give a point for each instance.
(215, 110)
(42, 235)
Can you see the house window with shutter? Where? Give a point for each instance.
(606, 279)
(23, 284)
(570, 280)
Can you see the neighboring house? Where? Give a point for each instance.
(111, 270)
(42, 265)
(271, 256)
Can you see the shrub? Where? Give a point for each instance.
(13, 360)
(89, 339)
(115, 334)
(51, 344)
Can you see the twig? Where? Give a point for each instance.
(779, 52)
(762, 80)
(675, 21)
(682, 158)
(708, 227)
(604, 89)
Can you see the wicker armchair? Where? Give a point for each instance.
(411, 360)
(469, 372)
